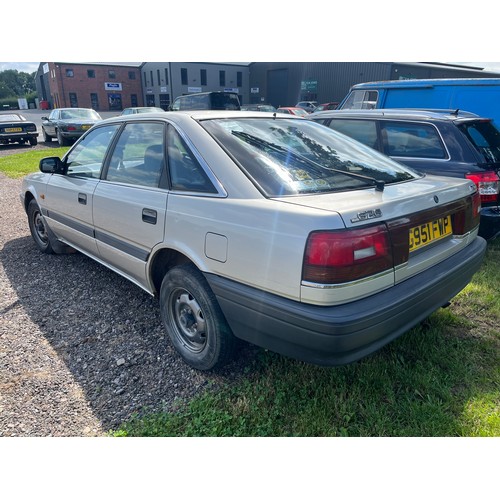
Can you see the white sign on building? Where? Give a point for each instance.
(112, 86)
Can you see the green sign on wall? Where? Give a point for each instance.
(309, 85)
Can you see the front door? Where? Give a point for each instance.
(69, 196)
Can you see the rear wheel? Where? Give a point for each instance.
(61, 140)
(193, 319)
(33, 141)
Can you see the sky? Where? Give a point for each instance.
(30, 67)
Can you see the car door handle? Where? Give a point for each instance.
(82, 198)
(149, 215)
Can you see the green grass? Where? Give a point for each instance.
(439, 379)
(18, 165)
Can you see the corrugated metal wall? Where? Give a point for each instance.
(334, 79)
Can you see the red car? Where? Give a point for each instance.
(326, 106)
(293, 111)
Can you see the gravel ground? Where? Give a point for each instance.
(81, 348)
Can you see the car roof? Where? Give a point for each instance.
(187, 115)
(427, 83)
(401, 113)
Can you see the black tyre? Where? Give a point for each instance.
(61, 140)
(33, 141)
(193, 319)
(38, 228)
(46, 137)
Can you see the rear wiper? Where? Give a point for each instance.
(263, 144)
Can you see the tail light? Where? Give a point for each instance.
(71, 128)
(469, 216)
(342, 256)
(487, 184)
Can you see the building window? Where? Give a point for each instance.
(94, 101)
(184, 76)
(239, 79)
(166, 76)
(222, 78)
(111, 73)
(158, 76)
(164, 101)
(203, 76)
(151, 75)
(145, 79)
(90, 73)
(69, 73)
(73, 100)
(133, 100)
(131, 75)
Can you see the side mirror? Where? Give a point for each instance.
(51, 165)
(44, 118)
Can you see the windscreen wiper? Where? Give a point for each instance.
(263, 144)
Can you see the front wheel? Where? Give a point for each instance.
(46, 137)
(38, 228)
(193, 319)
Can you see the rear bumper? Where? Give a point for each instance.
(337, 335)
(17, 136)
(490, 222)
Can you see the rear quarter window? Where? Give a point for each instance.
(364, 131)
(412, 140)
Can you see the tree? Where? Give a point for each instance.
(15, 83)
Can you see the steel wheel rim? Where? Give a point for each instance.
(40, 229)
(189, 320)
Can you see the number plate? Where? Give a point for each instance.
(424, 234)
(14, 129)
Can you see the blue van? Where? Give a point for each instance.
(478, 95)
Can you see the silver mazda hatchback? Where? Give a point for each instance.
(262, 227)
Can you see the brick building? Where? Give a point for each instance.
(103, 87)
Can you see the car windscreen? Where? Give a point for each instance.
(485, 137)
(295, 156)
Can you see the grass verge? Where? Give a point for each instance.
(20, 164)
(441, 378)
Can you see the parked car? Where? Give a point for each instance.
(258, 107)
(450, 143)
(264, 227)
(15, 128)
(207, 100)
(309, 106)
(144, 109)
(290, 110)
(66, 124)
(326, 106)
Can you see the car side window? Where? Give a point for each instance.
(87, 157)
(361, 99)
(412, 140)
(139, 155)
(364, 131)
(186, 173)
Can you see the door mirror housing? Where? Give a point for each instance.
(51, 165)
